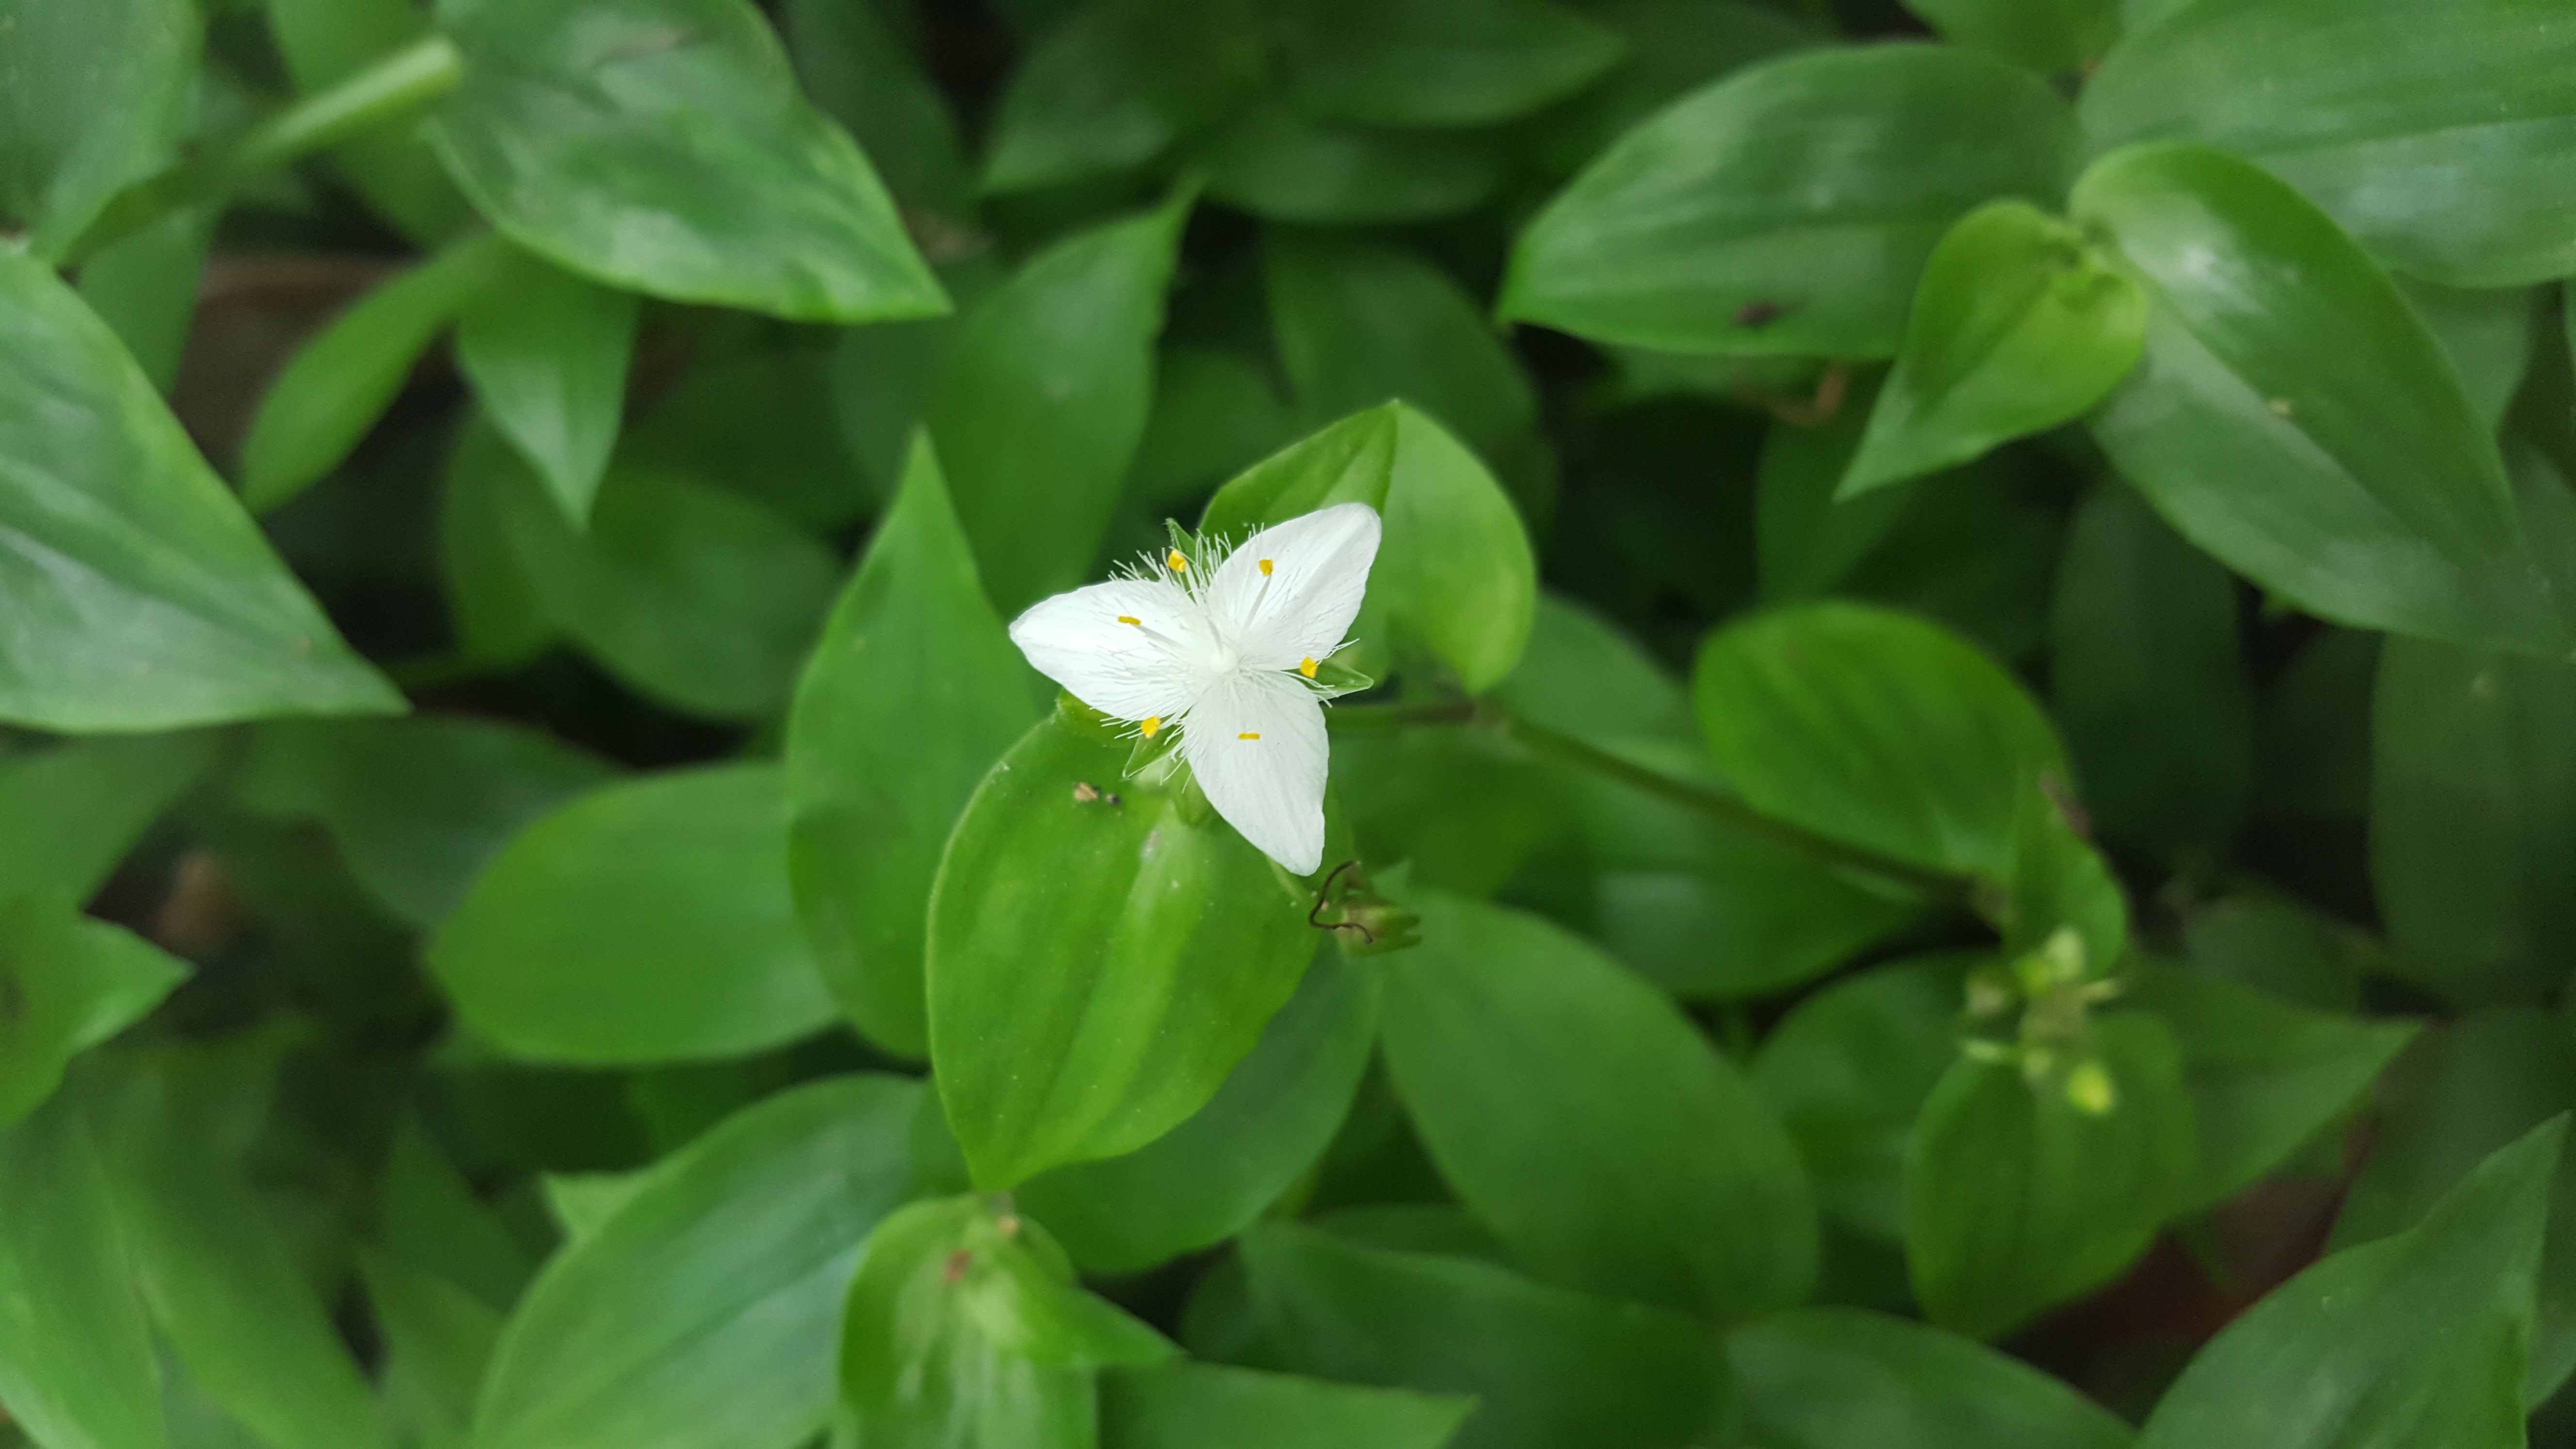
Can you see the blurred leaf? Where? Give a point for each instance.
(1466, 812)
(2339, 1355)
(2282, 949)
(2312, 735)
(702, 1314)
(2146, 677)
(220, 1275)
(2059, 883)
(647, 921)
(1550, 1369)
(695, 597)
(1848, 1071)
(766, 423)
(2046, 35)
(1831, 1378)
(492, 605)
(145, 287)
(342, 380)
(1809, 536)
(92, 96)
(1097, 967)
(2264, 1077)
(76, 809)
(1455, 574)
(2487, 333)
(862, 75)
(1183, 1405)
(160, 604)
(2473, 818)
(1211, 1176)
(1043, 400)
(2019, 324)
(912, 695)
(1115, 84)
(662, 147)
(546, 355)
(2427, 128)
(438, 1339)
(67, 983)
(428, 1218)
(1215, 412)
(419, 806)
(1280, 166)
(1587, 1121)
(581, 1203)
(1877, 729)
(1436, 62)
(2017, 1200)
(1582, 675)
(2463, 1090)
(1788, 208)
(1672, 46)
(2292, 416)
(76, 1361)
(326, 41)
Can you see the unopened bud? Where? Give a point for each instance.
(2090, 1090)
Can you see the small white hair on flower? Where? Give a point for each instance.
(1223, 650)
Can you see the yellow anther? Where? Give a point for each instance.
(1306, 667)
(1175, 562)
(1249, 735)
(1265, 568)
(1131, 619)
(1153, 722)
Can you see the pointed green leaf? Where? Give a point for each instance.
(912, 695)
(1834, 1378)
(1435, 62)
(2046, 35)
(546, 354)
(1182, 1405)
(67, 983)
(324, 42)
(1116, 85)
(76, 809)
(76, 1364)
(1350, 461)
(1280, 166)
(92, 96)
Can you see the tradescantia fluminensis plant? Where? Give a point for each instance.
(1816, 725)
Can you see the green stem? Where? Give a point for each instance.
(1713, 804)
(396, 86)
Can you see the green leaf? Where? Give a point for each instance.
(1673, 46)
(324, 42)
(1875, 728)
(2147, 681)
(92, 96)
(2060, 882)
(2017, 1200)
(1042, 402)
(1550, 1369)
(2019, 324)
(76, 1363)
(221, 1277)
(2473, 817)
(2264, 1077)
(2046, 35)
(648, 921)
(2340, 1354)
(157, 604)
(697, 597)
(546, 353)
(864, 75)
(1116, 85)
(491, 603)
(1210, 1177)
(75, 810)
(2462, 1091)
(2430, 131)
(708, 1302)
(428, 1216)
(2487, 333)
(1435, 62)
(764, 421)
(1849, 1069)
(1351, 461)
(1183, 1405)
(1097, 967)
(1280, 166)
(2282, 949)
(2312, 734)
(1808, 535)
(438, 1340)
(1588, 1122)
(1788, 208)
(1455, 573)
(341, 382)
(967, 1330)
(145, 287)
(912, 695)
(2291, 415)
(67, 983)
(1832, 1378)
(662, 147)
(1216, 411)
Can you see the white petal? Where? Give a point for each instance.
(1151, 667)
(1289, 593)
(1256, 743)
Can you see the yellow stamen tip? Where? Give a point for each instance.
(1131, 619)
(1265, 568)
(1306, 667)
(1175, 562)
(1249, 735)
(1153, 722)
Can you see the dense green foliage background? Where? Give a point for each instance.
(1966, 839)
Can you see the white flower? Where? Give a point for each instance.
(1224, 651)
